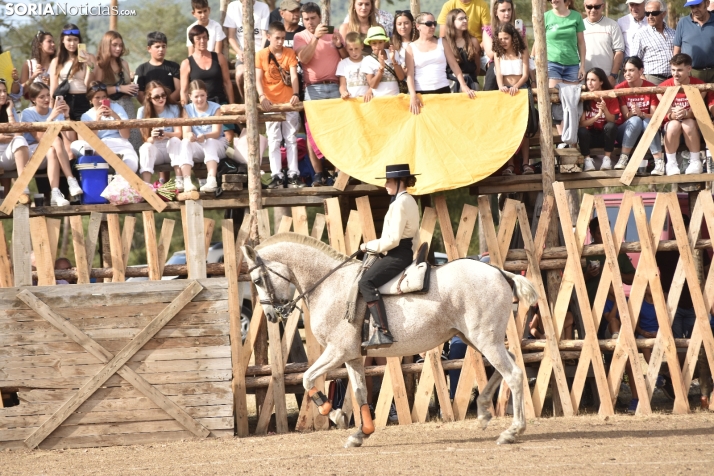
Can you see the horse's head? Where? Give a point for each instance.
(272, 281)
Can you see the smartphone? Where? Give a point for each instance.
(82, 52)
(519, 25)
(59, 99)
(161, 133)
(330, 29)
(106, 102)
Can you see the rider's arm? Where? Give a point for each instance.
(394, 224)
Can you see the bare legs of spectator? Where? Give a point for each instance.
(240, 70)
(673, 132)
(526, 169)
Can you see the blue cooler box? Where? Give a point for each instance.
(93, 177)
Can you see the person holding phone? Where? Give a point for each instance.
(116, 139)
(36, 69)
(161, 144)
(57, 158)
(599, 121)
(114, 71)
(78, 72)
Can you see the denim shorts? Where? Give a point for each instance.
(322, 91)
(562, 72)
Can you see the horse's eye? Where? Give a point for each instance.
(256, 281)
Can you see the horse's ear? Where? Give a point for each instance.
(248, 252)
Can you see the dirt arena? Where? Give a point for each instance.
(659, 444)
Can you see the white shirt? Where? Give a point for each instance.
(388, 86)
(215, 33)
(400, 222)
(629, 26)
(261, 16)
(356, 78)
(602, 40)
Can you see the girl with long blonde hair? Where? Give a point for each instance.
(362, 15)
(466, 48)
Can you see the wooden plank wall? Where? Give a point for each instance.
(188, 361)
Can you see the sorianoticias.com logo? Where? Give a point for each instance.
(49, 9)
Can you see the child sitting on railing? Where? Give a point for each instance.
(57, 158)
(105, 110)
(204, 142)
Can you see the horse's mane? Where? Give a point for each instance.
(306, 240)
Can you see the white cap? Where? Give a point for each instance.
(635, 1)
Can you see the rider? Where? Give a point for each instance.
(401, 225)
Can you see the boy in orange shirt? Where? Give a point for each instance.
(273, 66)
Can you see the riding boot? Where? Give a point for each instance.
(381, 336)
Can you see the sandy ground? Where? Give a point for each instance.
(659, 444)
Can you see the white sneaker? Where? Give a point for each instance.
(606, 164)
(57, 199)
(179, 182)
(563, 145)
(672, 168)
(188, 185)
(589, 166)
(74, 188)
(694, 167)
(211, 185)
(622, 163)
(393, 413)
(658, 168)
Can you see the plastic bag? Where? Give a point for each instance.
(119, 192)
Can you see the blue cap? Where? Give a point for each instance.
(691, 3)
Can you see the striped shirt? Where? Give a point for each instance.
(654, 49)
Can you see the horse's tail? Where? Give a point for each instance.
(524, 290)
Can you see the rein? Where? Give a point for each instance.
(284, 310)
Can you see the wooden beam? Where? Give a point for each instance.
(21, 246)
(80, 250)
(6, 278)
(43, 254)
(152, 250)
(335, 231)
(90, 243)
(167, 231)
(115, 244)
(196, 249)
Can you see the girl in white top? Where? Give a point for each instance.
(382, 67)
(38, 66)
(204, 142)
(79, 70)
(14, 152)
(404, 32)
(427, 58)
(57, 158)
(116, 139)
(511, 64)
(161, 144)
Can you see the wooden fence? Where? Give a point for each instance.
(271, 377)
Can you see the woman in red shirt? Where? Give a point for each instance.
(637, 111)
(598, 123)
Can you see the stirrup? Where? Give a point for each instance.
(379, 340)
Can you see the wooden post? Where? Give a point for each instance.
(21, 246)
(6, 280)
(113, 18)
(414, 7)
(251, 113)
(196, 248)
(325, 8)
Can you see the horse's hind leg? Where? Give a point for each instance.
(502, 361)
(355, 369)
(485, 399)
(329, 360)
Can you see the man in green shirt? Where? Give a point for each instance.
(595, 263)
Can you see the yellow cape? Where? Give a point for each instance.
(454, 142)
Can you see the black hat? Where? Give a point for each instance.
(398, 171)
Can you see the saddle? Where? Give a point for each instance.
(414, 279)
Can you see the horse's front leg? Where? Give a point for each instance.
(329, 360)
(355, 369)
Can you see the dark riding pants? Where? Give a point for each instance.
(385, 269)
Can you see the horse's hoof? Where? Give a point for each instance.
(506, 439)
(484, 420)
(339, 418)
(353, 442)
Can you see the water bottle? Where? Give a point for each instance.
(136, 81)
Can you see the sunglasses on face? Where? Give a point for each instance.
(399, 12)
(99, 87)
(2, 80)
(430, 24)
(159, 97)
(655, 13)
(70, 32)
(596, 7)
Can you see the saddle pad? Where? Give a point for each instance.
(411, 280)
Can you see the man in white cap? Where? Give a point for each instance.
(632, 22)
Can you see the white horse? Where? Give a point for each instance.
(466, 297)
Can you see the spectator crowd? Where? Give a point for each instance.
(372, 53)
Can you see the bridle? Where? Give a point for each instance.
(284, 308)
